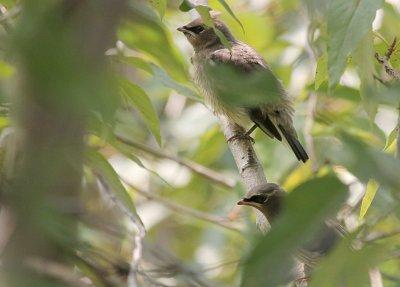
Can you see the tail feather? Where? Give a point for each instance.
(295, 145)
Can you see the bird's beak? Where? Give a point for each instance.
(243, 201)
(182, 29)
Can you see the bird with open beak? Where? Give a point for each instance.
(272, 114)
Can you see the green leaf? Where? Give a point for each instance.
(140, 100)
(229, 10)
(160, 5)
(186, 6)
(363, 58)
(372, 188)
(6, 70)
(102, 167)
(143, 31)
(365, 162)
(348, 22)
(321, 73)
(346, 266)
(392, 136)
(305, 210)
(204, 12)
(167, 81)
(161, 75)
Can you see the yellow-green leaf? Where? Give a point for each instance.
(372, 187)
(6, 70)
(390, 139)
(321, 73)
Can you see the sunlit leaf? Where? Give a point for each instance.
(6, 70)
(372, 188)
(348, 22)
(306, 208)
(321, 73)
(139, 99)
(392, 136)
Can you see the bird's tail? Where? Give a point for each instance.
(294, 144)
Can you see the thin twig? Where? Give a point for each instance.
(375, 277)
(385, 61)
(138, 245)
(195, 167)
(218, 220)
(312, 102)
(6, 15)
(56, 270)
(380, 236)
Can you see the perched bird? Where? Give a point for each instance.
(272, 116)
(269, 199)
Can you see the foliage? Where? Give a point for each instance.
(146, 149)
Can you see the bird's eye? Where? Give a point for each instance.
(258, 198)
(196, 29)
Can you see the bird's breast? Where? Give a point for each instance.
(205, 84)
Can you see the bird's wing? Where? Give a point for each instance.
(245, 59)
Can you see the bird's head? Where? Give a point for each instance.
(267, 198)
(202, 36)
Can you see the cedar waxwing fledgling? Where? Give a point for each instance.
(272, 116)
(269, 199)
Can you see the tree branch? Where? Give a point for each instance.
(193, 166)
(218, 220)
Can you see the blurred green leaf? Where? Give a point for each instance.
(321, 73)
(6, 70)
(305, 210)
(160, 5)
(143, 31)
(186, 6)
(140, 100)
(363, 58)
(162, 76)
(204, 12)
(346, 266)
(236, 87)
(392, 136)
(102, 167)
(348, 22)
(365, 162)
(372, 188)
(167, 81)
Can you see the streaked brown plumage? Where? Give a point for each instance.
(273, 117)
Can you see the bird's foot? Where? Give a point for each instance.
(245, 136)
(301, 282)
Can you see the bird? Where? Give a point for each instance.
(273, 115)
(269, 198)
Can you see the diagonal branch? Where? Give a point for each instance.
(193, 166)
